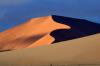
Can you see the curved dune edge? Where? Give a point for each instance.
(33, 33)
(84, 50)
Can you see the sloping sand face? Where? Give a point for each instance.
(35, 32)
(79, 52)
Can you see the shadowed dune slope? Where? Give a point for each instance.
(79, 28)
(84, 50)
(45, 31)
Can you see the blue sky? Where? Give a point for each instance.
(15, 12)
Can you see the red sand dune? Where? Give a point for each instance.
(34, 32)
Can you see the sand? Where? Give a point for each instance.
(84, 51)
(30, 44)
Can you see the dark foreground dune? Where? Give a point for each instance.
(45, 31)
(78, 52)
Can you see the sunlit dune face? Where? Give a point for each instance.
(33, 33)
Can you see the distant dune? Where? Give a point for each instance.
(84, 51)
(45, 31)
(33, 33)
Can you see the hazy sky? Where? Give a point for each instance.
(14, 12)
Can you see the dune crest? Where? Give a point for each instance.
(34, 32)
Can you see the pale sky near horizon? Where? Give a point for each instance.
(14, 12)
